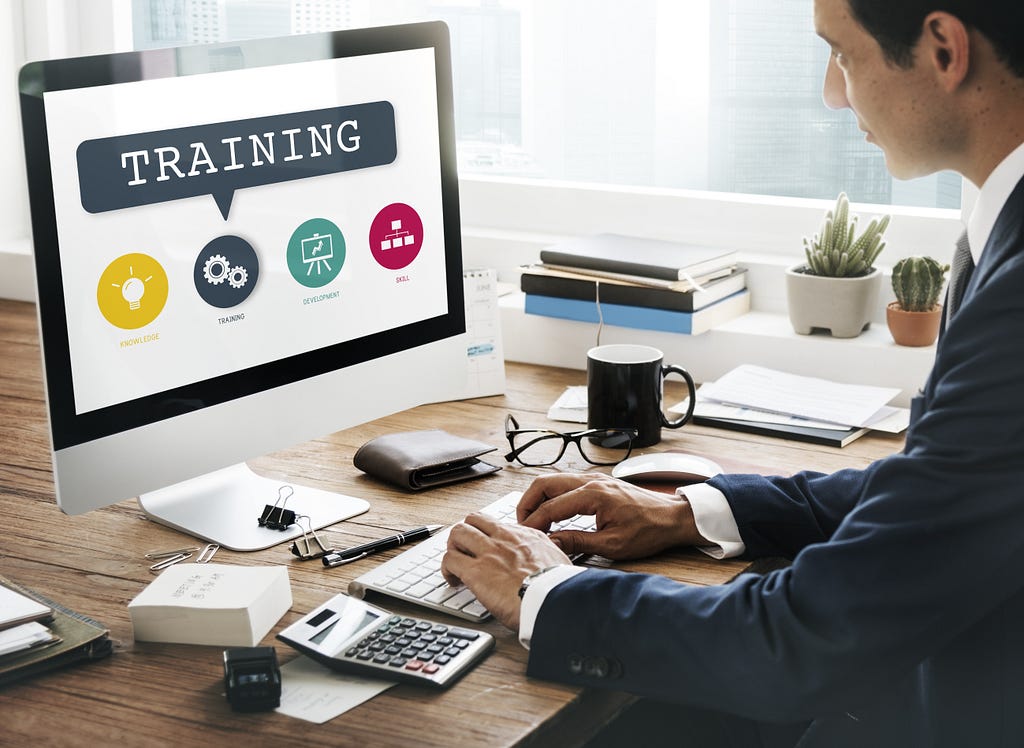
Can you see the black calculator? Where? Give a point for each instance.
(348, 635)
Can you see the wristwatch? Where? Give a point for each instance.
(529, 579)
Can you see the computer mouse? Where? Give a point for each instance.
(668, 467)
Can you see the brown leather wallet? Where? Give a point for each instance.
(423, 459)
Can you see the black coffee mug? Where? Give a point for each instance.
(624, 390)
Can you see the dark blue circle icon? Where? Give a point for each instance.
(226, 271)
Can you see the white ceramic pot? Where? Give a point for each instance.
(843, 306)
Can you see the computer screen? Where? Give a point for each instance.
(239, 247)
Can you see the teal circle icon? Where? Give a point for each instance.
(316, 252)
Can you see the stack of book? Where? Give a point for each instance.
(640, 283)
(37, 634)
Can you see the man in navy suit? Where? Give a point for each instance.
(901, 618)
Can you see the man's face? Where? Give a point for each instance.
(898, 108)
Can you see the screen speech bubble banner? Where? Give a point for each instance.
(217, 159)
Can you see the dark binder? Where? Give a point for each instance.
(838, 437)
(81, 639)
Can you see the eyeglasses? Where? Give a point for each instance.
(540, 447)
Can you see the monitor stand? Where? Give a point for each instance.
(224, 507)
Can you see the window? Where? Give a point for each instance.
(719, 95)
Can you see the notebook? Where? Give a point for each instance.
(80, 638)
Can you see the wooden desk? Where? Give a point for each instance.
(149, 694)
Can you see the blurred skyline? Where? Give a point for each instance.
(721, 95)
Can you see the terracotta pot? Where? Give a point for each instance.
(913, 328)
(843, 306)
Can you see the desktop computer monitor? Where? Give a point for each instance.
(240, 247)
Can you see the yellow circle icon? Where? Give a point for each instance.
(132, 291)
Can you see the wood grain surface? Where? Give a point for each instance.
(171, 694)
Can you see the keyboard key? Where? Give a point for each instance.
(406, 575)
(460, 600)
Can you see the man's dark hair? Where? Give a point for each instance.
(897, 25)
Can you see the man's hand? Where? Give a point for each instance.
(492, 559)
(632, 522)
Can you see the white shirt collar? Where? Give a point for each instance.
(993, 196)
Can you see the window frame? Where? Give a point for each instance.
(505, 220)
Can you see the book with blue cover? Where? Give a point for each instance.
(642, 318)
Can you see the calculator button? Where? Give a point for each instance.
(397, 662)
(381, 659)
(463, 633)
(414, 665)
(439, 629)
(442, 659)
(430, 668)
(453, 652)
(364, 655)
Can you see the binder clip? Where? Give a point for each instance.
(275, 516)
(304, 547)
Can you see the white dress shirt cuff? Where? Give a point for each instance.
(535, 594)
(713, 517)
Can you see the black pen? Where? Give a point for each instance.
(347, 556)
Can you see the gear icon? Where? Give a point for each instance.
(238, 276)
(216, 269)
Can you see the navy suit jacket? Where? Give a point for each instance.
(901, 618)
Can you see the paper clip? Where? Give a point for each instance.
(166, 554)
(170, 560)
(275, 516)
(302, 547)
(207, 553)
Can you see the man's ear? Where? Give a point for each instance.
(946, 44)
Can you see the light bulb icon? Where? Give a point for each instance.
(132, 290)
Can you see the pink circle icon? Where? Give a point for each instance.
(396, 236)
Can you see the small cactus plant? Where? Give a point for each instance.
(917, 283)
(837, 252)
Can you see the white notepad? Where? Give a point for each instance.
(16, 609)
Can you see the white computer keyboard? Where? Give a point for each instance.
(415, 575)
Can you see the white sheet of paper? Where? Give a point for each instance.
(809, 397)
(24, 636)
(317, 694)
(570, 406)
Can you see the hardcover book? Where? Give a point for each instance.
(643, 318)
(636, 256)
(538, 282)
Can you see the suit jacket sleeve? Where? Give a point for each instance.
(891, 563)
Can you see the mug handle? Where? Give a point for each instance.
(665, 371)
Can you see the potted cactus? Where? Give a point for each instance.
(914, 317)
(836, 289)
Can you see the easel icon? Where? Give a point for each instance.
(316, 250)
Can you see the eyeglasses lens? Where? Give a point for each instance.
(605, 447)
(538, 447)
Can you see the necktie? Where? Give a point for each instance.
(959, 275)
